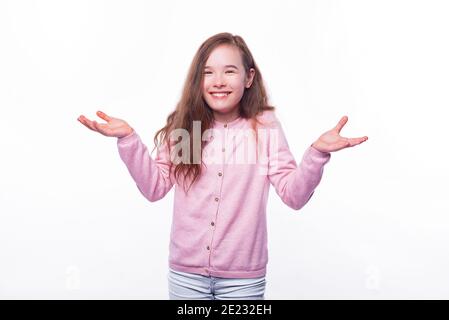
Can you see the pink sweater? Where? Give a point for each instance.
(219, 228)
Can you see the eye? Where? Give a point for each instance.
(207, 72)
(230, 71)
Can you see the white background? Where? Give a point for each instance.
(73, 223)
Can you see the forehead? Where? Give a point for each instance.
(224, 55)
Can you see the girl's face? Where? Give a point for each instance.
(225, 81)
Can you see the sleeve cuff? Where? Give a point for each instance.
(130, 137)
(318, 155)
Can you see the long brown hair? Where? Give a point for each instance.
(192, 106)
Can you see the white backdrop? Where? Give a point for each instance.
(73, 223)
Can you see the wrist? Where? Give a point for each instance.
(128, 133)
(313, 145)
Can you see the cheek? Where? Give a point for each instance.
(207, 84)
(205, 89)
(237, 84)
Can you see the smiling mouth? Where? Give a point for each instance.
(220, 94)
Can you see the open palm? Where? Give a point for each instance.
(113, 127)
(332, 141)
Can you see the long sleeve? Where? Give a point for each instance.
(294, 184)
(151, 176)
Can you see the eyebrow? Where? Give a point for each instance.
(226, 66)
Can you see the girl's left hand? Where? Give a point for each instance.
(332, 141)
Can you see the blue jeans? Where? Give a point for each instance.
(190, 286)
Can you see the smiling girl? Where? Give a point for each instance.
(218, 241)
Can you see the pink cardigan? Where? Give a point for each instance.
(219, 228)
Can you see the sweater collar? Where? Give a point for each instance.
(224, 125)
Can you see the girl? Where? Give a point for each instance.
(218, 240)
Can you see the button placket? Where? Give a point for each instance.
(217, 198)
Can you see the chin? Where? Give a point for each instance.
(222, 110)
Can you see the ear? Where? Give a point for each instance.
(250, 78)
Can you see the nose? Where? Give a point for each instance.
(219, 81)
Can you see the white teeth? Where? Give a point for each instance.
(220, 94)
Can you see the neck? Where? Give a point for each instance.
(227, 117)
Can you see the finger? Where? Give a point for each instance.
(341, 123)
(356, 141)
(87, 123)
(96, 125)
(101, 128)
(103, 116)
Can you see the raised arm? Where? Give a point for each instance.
(294, 184)
(151, 176)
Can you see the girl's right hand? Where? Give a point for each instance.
(113, 127)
